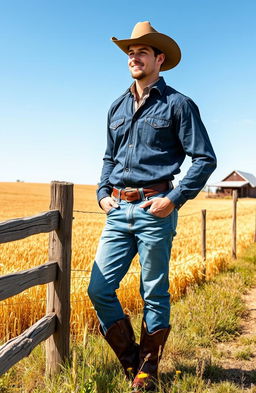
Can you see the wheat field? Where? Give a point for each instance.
(186, 265)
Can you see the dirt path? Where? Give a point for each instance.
(237, 359)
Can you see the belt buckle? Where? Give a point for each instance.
(127, 190)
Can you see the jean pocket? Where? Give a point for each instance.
(147, 210)
(113, 209)
(110, 211)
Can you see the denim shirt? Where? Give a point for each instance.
(149, 145)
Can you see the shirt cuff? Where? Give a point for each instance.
(176, 197)
(102, 193)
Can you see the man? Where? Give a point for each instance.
(151, 128)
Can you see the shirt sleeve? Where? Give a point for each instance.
(104, 185)
(196, 144)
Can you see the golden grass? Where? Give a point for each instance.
(187, 267)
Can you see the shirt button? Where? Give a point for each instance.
(126, 169)
(130, 145)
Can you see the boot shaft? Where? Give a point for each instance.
(152, 344)
(120, 336)
(151, 349)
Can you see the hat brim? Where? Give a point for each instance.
(158, 40)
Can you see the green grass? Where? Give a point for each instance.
(244, 354)
(208, 314)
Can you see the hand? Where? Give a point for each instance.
(107, 203)
(160, 207)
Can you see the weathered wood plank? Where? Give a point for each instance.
(58, 294)
(19, 347)
(20, 228)
(14, 283)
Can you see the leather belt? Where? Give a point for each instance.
(130, 194)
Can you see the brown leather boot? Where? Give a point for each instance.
(120, 336)
(151, 349)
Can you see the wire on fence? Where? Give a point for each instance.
(180, 215)
(190, 214)
(218, 211)
(186, 237)
(85, 211)
(81, 270)
(90, 212)
(20, 303)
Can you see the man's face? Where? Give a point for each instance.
(142, 61)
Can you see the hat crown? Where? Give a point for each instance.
(142, 28)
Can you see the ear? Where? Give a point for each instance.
(161, 58)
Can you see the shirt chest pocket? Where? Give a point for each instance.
(156, 132)
(117, 129)
(116, 124)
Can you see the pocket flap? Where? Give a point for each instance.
(158, 123)
(116, 123)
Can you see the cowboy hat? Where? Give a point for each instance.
(144, 33)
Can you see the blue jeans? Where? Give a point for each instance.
(130, 229)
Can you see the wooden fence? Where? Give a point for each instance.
(54, 326)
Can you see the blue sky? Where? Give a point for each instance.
(60, 72)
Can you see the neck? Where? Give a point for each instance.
(141, 84)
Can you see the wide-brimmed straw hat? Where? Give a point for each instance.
(144, 33)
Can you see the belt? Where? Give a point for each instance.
(130, 194)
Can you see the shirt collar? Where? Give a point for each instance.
(146, 90)
(159, 85)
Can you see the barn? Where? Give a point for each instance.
(243, 182)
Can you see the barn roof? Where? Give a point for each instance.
(227, 184)
(248, 177)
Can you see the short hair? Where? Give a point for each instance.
(156, 51)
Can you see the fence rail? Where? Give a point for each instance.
(19, 347)
(14, 283)
(54, 326)
(23, 227)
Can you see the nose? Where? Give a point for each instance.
(134, 57)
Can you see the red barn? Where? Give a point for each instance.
(243, 182)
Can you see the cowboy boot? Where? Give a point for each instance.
(151, 349)
(120, 336)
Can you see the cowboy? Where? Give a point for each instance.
(151, 128)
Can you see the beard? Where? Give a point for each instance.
(138, 75)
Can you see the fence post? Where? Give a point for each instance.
(203, 233)
(203, 240)
(58, 292)
(234, 224)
